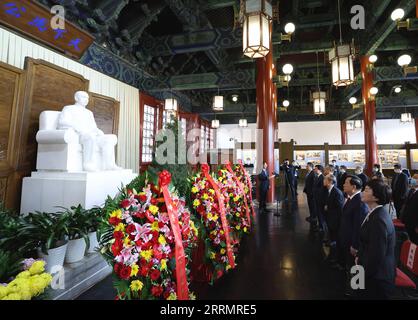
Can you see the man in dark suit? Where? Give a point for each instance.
(362, 176)
(319, 193)
(333, 207)
(341, 178)
(296, 168)
(289, 176)
(410, 212)
(399, 188)
(309, 183)
(336, 172)
(354, 213)
(264, 181)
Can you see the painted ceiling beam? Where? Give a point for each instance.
(218, 4)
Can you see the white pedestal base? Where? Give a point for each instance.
(45, 191)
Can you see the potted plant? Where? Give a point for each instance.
(93, 221)
(77, 231)
(46, 233)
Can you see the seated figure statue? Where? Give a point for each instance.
(81, 120)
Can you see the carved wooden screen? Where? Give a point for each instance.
(106, 112)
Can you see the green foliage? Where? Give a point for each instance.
(10, 225)
(179, 172)
(10, 265)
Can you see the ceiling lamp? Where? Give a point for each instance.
(398, 89)
(341, 58)
(397, 14)
(287, 69)
(218, 103)
(215, 124)
(406, 117)
(235, 98)
(256, 28)
(404, 61)
(289, 28)
(373, 58)
(372, 93)
(286, 103)
(353, 100)
(318, 97)
(243, 123)
(358, 124)
(171, 105)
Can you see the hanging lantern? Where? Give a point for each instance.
(406, 117)
(319, 98)
(256, 28)
(341, 58)
(243, 123)
(350, 126)
(215, 124)
(171, 105)
(358, 124)
(218, 103)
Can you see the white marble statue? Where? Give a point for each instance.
(81, 120)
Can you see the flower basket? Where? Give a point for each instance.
(150, 242)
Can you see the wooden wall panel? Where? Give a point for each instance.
(106, 112)
(49, 87)
(11, 83)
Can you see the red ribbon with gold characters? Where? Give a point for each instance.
(241, 188)
(247, 176)
(225, 227)
(182, 286)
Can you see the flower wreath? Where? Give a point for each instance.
(245, 179)
(215, 241)
(144, 245)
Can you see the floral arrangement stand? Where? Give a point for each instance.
(148, 238)
(245, 176)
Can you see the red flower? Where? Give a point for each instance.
(118, 235)
(158, 254)
(130, 229)
(125, 272)
(117, 267)
(144, 271)
(156, 291)
(143, 262)
(143, 198)
(114, 221)
(149, 216)
(166, 294)
(155, 274)
(140, 215)
(163, 208)
(139, 243)
(117, 246)
(125, 203)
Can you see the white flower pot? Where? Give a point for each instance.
(55, 257)
(75, 251)
(94, 244)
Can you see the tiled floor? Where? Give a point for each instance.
(282, 259)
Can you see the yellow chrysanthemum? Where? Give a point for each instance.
(195, 190)
(209, 216)
(120, 227)
(146, 254)
(223, 251)
(163, 265)
(13, 296)
(161, 240)
(215, 217)
(23, 275)
(153, 209)
(228, 267)
(3, 292)
(212, 255)
(238, 227)
(245, 229)
(196, 203)
(236, 198)
(212, 191)
(205, 196)
(116, 214)
(126, 242)
(154, 226)
(192, 296)
(134, 270)
(237, 214)
(37, 267)
(136, 285)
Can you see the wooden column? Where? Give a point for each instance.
(266, 116)
(369, 111)
(344, 137)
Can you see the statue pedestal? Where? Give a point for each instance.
(44, 191)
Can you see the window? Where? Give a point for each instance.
(148, 133)
(184, 128)
(202, 139)
(211, 140)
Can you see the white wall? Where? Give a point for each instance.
(14, 49)
(320, 132)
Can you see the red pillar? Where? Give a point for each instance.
(369, 111)
(344, 138)
(416, 127)
(266, 112)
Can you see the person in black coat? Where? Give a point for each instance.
(362, 176)
(341, 179)
(410, 212)
(264, 182)
(333, 207)
(296, 168)
(377, 243)
(353, 215)
(289, 176)
(308, 189)
(399, 188)
(319, 193)
(377, 173)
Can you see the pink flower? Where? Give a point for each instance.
(141, 231)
